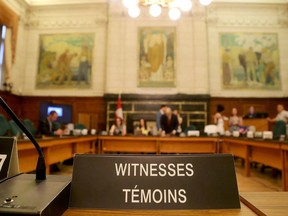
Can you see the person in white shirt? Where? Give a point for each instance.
(219, 119)
(280, 121)
(281, 116)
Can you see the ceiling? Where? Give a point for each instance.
(63, 2)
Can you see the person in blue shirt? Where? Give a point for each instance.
(158, 116)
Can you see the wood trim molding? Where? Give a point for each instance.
(9, 18)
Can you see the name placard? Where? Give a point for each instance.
(154, 182)
(9, 165)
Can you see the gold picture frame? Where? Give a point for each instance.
(65, 61)
(250, 61)
(157, 57)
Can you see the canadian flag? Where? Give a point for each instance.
(119, 110)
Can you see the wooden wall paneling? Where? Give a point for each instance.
(94, 121)
(30, 109)
(84, 118)
(13, 101)
(89, 120)
(91, 105)
(29, 106)
(193, 108)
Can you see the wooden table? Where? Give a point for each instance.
(284, 147)
(55, 150)
(157, 145)
(127, 144)
(260, 124)
(267, 152)
(266, 203)
(238, 148)
(244, 211)
(185, 145)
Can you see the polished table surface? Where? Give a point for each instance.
(244, 211)
(157, 144)
(252, 203)
(55, 149)
(273, 153)
(275, 203)
(268, 152)
(266, 203)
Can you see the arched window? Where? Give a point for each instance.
(9, 19)
(2, 39)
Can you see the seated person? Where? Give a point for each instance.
(47, 125)
(119, 128)
(169, 122)
(143, 127)
(219, 119)
(235, 122)
(251, 113)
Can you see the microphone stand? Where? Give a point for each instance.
(41, 166)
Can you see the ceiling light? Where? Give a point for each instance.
(155, 7)
(134, 11)
(155, 10)
(174, 13)
(186, 5)
(205, 2)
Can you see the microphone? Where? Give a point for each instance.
(23, 195)
(41, 167)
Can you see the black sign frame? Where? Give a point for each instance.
(149, 182)
(9, 164)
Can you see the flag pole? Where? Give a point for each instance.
(119, 110)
